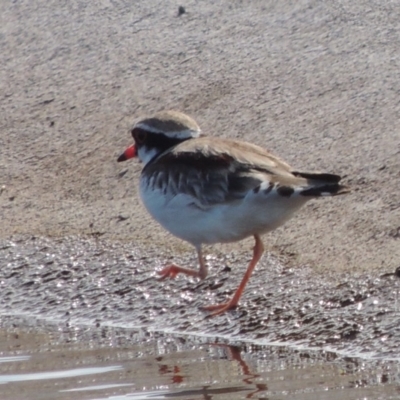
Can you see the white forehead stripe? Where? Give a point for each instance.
(181, 134)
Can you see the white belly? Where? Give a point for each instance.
(229, 222)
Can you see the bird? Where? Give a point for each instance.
(208, 189)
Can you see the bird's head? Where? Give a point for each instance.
(155, 135)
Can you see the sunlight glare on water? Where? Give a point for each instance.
(57, 374)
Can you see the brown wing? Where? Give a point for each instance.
(243, 152)
(215, 170)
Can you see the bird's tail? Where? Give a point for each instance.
(321, 184)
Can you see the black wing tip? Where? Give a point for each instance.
(318, 176)
(326, 190)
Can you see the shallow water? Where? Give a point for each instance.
(125, 364)
(88, 319)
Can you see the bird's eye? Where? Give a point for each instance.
(139, 135)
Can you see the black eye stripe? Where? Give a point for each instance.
(139, 135)
(157, 140)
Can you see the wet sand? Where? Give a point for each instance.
(99, 283)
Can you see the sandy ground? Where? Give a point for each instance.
(315, 82)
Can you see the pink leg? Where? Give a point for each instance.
(232, 303)
(171, 271)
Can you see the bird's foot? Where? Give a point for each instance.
(171, 271)
(220, 308)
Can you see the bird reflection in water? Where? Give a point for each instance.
(232, 354)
